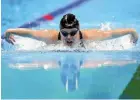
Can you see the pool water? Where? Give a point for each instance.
(79, 75)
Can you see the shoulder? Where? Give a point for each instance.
(54, 34)
(50, 33)
(91, 33)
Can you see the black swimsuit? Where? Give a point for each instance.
(81, 37)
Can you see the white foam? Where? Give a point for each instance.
(35, 65)
(105, 26)
(121, 43)
(23, 43)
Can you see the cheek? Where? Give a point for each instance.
(75, 37)
(63, 38)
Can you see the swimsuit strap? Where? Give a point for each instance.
(81, 36)
(59, 36)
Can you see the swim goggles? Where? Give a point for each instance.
(65, 32)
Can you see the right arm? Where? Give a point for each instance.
(36, 34)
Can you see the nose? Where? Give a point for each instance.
(69, 37)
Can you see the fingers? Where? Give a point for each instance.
(11, 41)
(134, 39)
(12, 38)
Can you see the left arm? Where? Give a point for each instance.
(121, 32)
(95, 34)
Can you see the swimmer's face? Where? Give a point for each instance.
(69, 36)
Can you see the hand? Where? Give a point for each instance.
(9, 38)
(134, 37)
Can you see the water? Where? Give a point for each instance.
(51, 74)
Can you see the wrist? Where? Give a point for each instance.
(7, 33)
(135, 36)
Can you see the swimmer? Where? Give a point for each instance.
(69, 32)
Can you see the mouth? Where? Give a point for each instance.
(69, 43)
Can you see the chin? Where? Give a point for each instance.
(69, 45)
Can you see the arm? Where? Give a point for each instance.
(121, 32)
(36, 34)
(102, 35)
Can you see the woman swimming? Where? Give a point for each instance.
(69, 33)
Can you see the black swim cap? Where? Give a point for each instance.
(69, 21)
